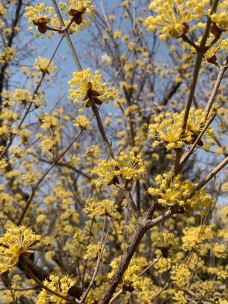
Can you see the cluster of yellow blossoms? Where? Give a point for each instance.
(44, 65)
(57, 284)
(82, 122)
(84, 86)
(173, 18)
(173, 190)
(80, 10)
(39, 16)
(96, 208)
(133, 281)
(167, 128)
(180, 275)
(221, 15)
(15, 242)
(127, 166)
(76, 16)
(7, 55)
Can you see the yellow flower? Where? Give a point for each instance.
(171, 18)
(167, 128)
(180, 275)
(15, 242)
(180, 298)
(48, 122)
(39, 16)
(80, 11)
(96, 208)
(221, 15)
(84, 86)
(7, 55)
(172, 190)
(44, 65)
(82, 121)
(128, 166)
(57, 284)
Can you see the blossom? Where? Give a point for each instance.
(80, 11)
(7, 55)
(82, 121)
(44, 65)
(84, 86)
(180, 275)
(167, 128)
(171, 190)
(96, 208)
(61, 285)
(221, 15)
(14, 243)
(179, 297)
(48, 122)
(171, 18)
(127, 166)
(39, 15)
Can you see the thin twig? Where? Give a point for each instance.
(66, 34)
(30, 273)
(213, 172)
(119, 293)
(44, 176)
(222, 70)
(186, 156)
(103, 242)
(31, 103)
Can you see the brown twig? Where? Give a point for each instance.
(31, 103)
(44, 176)
(31, 274)
(186, 156)
(209, 177)
(103, 242)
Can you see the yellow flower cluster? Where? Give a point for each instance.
(167, 128)
(96, 208)
(172, 190)
(7, 55)
(180, 275)
(49, 122)
(82, 122)
(15, 242)
(39, 15)
(44, 65)
(194, 236)
(128, 166)
(57, 284)
(84, 86)
(171, 18)
(133, 281)
(179, 297)
(3, 11)
(164, 241)
(221, 15)
(76, 13)
(78, 10)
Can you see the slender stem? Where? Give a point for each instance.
(31, 103)
(31, 274)
(44, 176)
(119, 293)
(213, 172)
(199, 58)
(222, 70)
(66, 34)
(144, 224)
(192, 148)
(103, 242)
